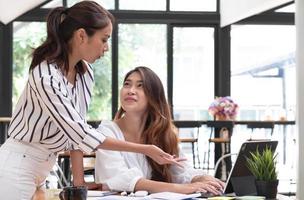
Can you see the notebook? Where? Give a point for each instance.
(240, 180)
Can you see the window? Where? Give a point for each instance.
(142, 4)
(23, 42)
(142, 45)
(107, 4)
(193, 5)
(193, 72)
(101, 102)
(262, 57)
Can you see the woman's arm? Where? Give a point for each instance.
(77, 167)
(157, 186)
(78, 171)
(152, 151)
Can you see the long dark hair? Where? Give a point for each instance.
(159, 129)
(61, 24)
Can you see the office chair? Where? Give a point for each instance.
(194, 142)
(216, 138)
(221, 159)
(61, 179)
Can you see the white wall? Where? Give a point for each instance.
(299, 17)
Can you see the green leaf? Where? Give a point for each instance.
(263, 164)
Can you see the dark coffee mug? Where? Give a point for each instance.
(74, 193)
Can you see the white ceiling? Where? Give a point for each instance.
(11, 9)
(235, 10)
(231, 10)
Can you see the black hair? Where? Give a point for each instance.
(61, 24)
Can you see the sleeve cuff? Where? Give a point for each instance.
(91, 141)
(114, 184)
(133, 183)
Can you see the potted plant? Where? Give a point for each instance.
(263, 166)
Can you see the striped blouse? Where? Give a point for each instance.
(51, 111)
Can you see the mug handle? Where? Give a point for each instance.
(61, 196)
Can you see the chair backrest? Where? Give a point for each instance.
(4, 123)
(218, 162)
(261, 124)
(62, 180)
(219, 125)
(195, 126)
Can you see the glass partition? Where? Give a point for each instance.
(193, 5)
(24, 43)
(107, 4)
(263, 58)
(142, 45)
(142, 4)
(193, 72)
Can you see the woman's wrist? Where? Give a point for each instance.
(179, 188)
(197, 178)
(78, 182)
(142, 148)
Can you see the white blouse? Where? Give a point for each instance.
(121, 170)
(51, 111)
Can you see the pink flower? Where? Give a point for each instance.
(223, 107)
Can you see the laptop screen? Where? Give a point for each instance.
(240, 180)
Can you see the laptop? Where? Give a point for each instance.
(240, 180)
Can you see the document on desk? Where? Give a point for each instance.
(154, 196)
(117, 197)
(96, 193)
(173, 196)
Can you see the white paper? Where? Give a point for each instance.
(154, 196)
(96, 193)
(118, 197)
(173, 196)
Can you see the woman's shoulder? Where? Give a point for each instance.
(110, 128)
(45, 69)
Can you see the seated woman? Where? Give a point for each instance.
(144, 117)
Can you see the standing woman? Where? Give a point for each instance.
(50, 114)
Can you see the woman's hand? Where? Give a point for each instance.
(196, 187)
(162, 157)
(210, 180)
(152, 151)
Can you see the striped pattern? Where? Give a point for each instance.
(51, 111)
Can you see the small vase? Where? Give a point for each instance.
(222, 118)
(219, 118)
(268, 189)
